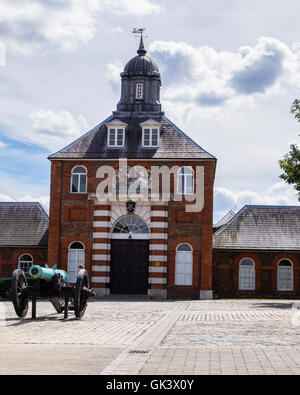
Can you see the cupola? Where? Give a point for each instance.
(141, 82)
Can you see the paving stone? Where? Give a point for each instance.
(134, 336)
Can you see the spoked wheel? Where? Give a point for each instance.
(82, 294)
(58, 304)
(19, 299)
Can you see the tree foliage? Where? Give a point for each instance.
(290, 164)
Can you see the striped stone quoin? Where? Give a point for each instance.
(158, 250)
(156, 218)
(101, 249)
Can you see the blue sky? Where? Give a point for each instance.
(230, 72)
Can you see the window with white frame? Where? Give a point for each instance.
(75, 259)
(184, 265)
(285, 276)
(151, 137)
(79, 180)
(185, 181)
(139, 90)
(25, 263)
(116, 137)
(247, 275)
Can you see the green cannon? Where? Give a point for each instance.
(47, 274)
(52, 284)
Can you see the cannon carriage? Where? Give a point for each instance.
(50, 284)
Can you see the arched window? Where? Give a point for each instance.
(185, 181)
(25, 262)
(247, 275)
(75, 259)
(285, 278)
(131, 224)
(79, 180)
(184, 265)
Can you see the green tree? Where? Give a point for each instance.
(290, 164)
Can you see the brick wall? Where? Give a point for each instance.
(226, 274)
(72, 219)
(9, 258)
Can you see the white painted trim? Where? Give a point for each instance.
(160, 269)
(134, 236)
(101, 257)
(154, 280)
(101, 224)
(158, 258)
(116, 123)
(101, 268)
(151, 123)
(101, 246)
(101, 280)
(253, 268)
(159, 213)
(137, 85)
(159, 225)
(102, 213)
(158, 247)
(151, 128)
(115, 128)
(100, 235)
(79, 177)
(159, 236)
(280, 288)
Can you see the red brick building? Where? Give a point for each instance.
(122, 206)
(257, 254)
(134, 245)
(23, 236)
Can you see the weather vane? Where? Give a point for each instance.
(138, 32)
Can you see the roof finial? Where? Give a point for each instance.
(141, 51)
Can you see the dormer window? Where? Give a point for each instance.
(151, 134)
(116, 137)
(116, 134)
(150, 138)
(139, 94)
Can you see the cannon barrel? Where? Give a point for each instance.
(45, 273)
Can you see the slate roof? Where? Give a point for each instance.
(23, 224)
(223, 221)
(261, 228)
(141, 65)
(174, 143)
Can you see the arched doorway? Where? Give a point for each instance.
(129, 270)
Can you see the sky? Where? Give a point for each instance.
(230, 72)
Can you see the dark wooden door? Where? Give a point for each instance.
(129, 267)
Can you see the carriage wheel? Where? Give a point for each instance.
(18, 286)
(58, 304)
(81, 295)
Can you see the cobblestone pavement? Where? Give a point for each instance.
(141, 336)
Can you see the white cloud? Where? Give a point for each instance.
(137, 7)
(64, 24)
(226, 199)
(44, 200)
(113, 71)
(55, 130)
(277, 194)
(210, 79)
(2, 55)
(2, 145)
